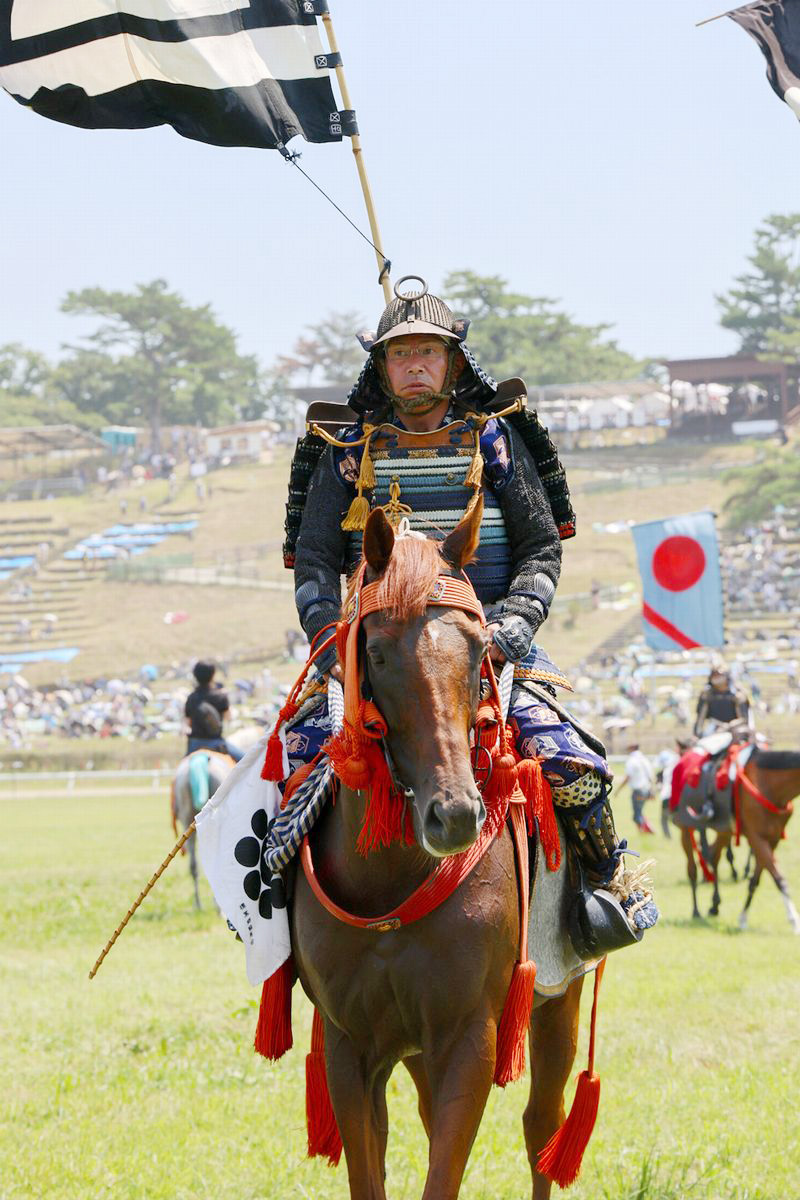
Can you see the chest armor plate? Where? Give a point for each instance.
(422, 476)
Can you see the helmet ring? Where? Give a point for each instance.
(411, 294)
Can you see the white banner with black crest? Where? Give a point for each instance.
(232, 831)
(228, 72)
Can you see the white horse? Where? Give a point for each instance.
(197, 778)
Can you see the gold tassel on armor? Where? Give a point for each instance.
(356, 519)
(357, 513)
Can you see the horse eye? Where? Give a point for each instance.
(376, 656)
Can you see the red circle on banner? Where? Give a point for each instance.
(678, 563)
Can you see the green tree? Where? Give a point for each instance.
(330, 350)
(515, 334)
(764, 304)
(155, 355)
(26, 395)
(756, 491)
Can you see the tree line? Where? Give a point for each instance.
(153, 359)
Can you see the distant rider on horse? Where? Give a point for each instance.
(425, 443)
(720, 703)
(205, 709)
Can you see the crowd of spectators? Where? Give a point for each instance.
(150, 706)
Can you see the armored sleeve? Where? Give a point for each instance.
(321, 546)
(533, 536)
(701, 715)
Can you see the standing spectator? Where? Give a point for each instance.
(639, 777)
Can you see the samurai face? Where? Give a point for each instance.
(416, 366)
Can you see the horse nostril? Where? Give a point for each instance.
(450, 826)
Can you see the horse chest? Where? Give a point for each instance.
(389, 988)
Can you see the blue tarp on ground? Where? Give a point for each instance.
(14, 562)
(62, 654)
(134, 538)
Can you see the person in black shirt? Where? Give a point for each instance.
(720, 704)
(206, 707)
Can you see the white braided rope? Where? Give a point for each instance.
(504, 685)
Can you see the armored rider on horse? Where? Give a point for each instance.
(430, 432)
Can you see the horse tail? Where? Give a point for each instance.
(198, 779)
(708, 874)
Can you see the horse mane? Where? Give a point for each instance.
(777, 760)
(407, 582)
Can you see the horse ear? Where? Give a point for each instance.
(378, 541)
(459, 546)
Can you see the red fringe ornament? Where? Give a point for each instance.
(536, 791)
(274, 1029)
(560, 1160)
(324, 1139)
(503, 779)
(512, 1032)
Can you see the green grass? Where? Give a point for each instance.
(142, 1085)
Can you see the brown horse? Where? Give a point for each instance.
(774, 777)
(430, 994)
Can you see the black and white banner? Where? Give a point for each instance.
(229, 72)
(775, 25)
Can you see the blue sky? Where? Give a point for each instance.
(610, 155)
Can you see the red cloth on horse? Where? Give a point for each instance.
(686, 773)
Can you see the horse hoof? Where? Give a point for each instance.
(742, 923)
(714, 912)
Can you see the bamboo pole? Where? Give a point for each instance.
(361, 168)
(147, 888)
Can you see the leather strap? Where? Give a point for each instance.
(448, 874)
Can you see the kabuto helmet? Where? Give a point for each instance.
(416, 311)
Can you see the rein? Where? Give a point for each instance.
(448, 874)
(743, 781)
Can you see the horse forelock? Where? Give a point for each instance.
(406, 584)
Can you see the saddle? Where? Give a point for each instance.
(703, 782)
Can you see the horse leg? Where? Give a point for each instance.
(691, 867)
(415, 1065)
(553, 1041)
(360, 1107)
(193, 871)
(731, 863)
(460, 1076)
(716, 854)
(751, 891)
(765, 858)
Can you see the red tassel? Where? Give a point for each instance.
(273, 760)
(708, 874)
(324, 1139)
(512, 1032)
(560, 1160)
(536, 791)
(274, 1028)
(503, 778)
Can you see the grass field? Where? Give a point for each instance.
(142, 1085)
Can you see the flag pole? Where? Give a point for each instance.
(719, 16)
(383, 262)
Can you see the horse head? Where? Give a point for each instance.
(423, 666)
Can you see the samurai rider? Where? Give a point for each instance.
(425, 443)
(720, 703)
